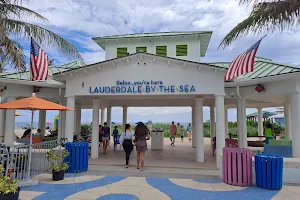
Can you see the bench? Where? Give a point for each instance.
(232, 143)
(273, 150)
(280, 142)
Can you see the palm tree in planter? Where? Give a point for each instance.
(8, 187)
(58, 166)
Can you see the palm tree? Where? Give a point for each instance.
(3, 64)
(266, 15)
(11, 25)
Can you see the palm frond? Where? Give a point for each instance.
(12, 53)
(41, 35)
(266, 17)
(255, 1)
(11, 10)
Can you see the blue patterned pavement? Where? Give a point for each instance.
(62, 191)
(175, 192)
(119, 197)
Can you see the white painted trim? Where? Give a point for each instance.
(247, 82)
(140, 57)
(57, 84)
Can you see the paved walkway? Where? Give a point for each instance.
(87, 187)
(182, 155)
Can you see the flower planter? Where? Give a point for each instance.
(10, 196)
(58, 176)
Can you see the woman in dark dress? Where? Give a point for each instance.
(141, 134)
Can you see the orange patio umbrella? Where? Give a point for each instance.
(32, 103)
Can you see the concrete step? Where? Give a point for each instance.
(167, 172)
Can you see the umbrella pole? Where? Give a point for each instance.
(29, 181)
(30, 146)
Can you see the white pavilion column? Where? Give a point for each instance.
(108, 116)
(226, 122)
(63, 124)
(199, 130)
(287, 121)
(193, 127)
(77, 118)
(70, 115)
(9, 125)
(2, 124)
(212, 124)
(102, 115)
(295, 125)
(42, 121)
(61, 128)
(220, 128)
(95, 129)
(242, 124)
(108, 120)
(124, 117)
(260, 122)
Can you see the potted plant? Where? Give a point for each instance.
(58, 166)
(8, 187)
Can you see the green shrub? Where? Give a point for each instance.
(56, 160)
(7, 185)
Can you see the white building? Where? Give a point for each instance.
(159, 69)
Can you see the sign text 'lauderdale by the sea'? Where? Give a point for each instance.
(150, 86)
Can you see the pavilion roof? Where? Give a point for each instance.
(265, 114)
(204, 37)
(51, 70)
(264, 68)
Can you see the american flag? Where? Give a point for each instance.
(38, 62)
(242, 64)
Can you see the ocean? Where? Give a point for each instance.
(19, 125)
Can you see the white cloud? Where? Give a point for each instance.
(93, 57)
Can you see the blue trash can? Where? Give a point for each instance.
(268, 171)
(78, 158)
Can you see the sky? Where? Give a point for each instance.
(80, 20)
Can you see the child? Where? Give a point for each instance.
(115, 135)
(182, 131)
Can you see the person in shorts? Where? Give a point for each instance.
(173, 130)
(189, 131)
(105, 136)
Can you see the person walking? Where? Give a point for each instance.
(100, 135)
(115, 136)
(173, 130)
(127, 143)
(182, 132)
(189, 131)
(105, 137)
(178, 128)
(269, 133)
(142, 134)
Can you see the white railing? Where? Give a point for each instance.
(16, 161)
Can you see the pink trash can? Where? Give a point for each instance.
(237, 166)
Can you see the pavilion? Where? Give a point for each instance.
(159, 69)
